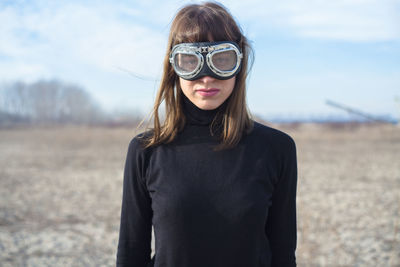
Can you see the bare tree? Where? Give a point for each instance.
(49, 102)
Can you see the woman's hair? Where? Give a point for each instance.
(205, 22)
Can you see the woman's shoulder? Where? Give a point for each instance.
(265, 133)
(137, 144)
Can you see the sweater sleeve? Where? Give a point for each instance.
(281, 226)
(134, 245)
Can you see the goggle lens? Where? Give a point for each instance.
(225, 60)
(186, 63)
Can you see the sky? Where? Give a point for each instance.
(306, 51)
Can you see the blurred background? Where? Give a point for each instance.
(76, 77)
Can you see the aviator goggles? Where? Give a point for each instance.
(220, 60)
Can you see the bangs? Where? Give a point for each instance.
(199, 25)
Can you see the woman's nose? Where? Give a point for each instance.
(207, 79)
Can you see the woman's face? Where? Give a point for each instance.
(207, 92)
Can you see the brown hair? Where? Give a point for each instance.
(202, 23)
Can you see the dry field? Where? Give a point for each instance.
(60, 195)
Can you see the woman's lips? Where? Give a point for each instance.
(208, 92)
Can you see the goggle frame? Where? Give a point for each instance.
(198, 50)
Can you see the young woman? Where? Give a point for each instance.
(219, 188)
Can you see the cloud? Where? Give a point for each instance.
(132, 35)
(345, 20)
(78, 34)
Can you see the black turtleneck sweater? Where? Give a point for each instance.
(227, 208)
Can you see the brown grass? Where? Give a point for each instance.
(60, 195)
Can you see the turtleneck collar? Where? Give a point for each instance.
(198, 116)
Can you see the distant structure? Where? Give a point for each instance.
(360, 113)
(397, 100)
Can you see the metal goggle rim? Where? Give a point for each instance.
(190, 49)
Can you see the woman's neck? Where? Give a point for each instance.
(197, 116)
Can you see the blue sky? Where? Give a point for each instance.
(306, 51)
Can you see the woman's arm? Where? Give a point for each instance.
(281, 227)
(134, 246)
